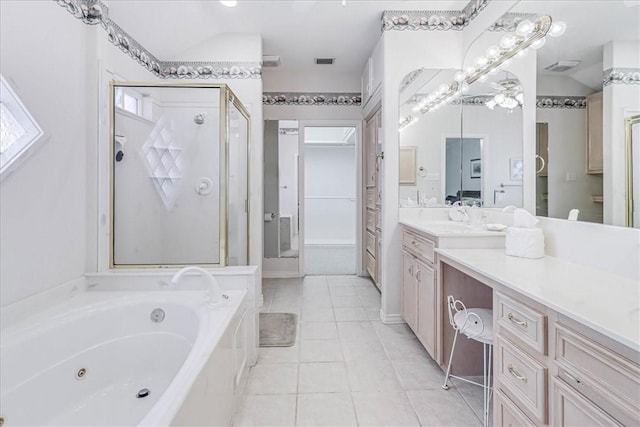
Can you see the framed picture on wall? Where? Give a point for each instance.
(476, 168)
(407, 165)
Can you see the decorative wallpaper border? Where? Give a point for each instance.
(543, 101)
(625, 76)
(565, 102)
(410, 78)
(509, 21)
(401, 20)
(289, 131)
(94, 12)
(312, 98)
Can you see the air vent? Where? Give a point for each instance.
(325, 61)
(561, 66)
(271, 61)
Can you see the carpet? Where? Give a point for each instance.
(277, 329)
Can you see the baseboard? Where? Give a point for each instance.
(279, 274)
(390, 318)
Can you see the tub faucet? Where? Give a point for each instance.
(212, 284)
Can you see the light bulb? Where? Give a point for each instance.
(481, 61)
(470, 70)
(443, 88)
(491, 104)
(431, 98)
(483, 78)
(499, 98)
(524, 28)
(493, 52)
(507, 41)
(522, 53)
(509, 103)
(459, 76)
(557, 29)
(520, 98)
(538, 43)
(229, 3)
(465, 87)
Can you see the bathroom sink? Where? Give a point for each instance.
(451, 228)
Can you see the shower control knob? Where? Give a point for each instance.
(204, 186)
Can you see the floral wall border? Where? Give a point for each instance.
(542, 101)
(401, 20)
(626, 76)
(95, 12)
(312, 98)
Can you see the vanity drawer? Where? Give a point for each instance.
(523, 377)
(526, 324)
(508, 413)
(371, 220)
(378, 219)
(418, 246)
(598, 373)
(371, 198)
(372, 267)
(371, 243)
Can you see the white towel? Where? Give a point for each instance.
(524, 242)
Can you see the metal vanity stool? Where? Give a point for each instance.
(476, 324)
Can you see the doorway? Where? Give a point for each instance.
(311, 201)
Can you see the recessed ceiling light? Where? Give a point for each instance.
(229, 3)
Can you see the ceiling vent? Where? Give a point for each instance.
(561, 66)
(271, 61)
(325, 61)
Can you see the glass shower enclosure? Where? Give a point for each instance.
(179, 176)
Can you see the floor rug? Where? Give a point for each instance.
(277, 329)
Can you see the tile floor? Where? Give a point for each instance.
(347, 368)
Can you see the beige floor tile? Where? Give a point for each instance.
(274, 378)
(442, 408)
(319, 331)
(406, 349)
(372, 376)
(394, 331)
(419, 375)
(357, 331)
(343, 291)
(325, 409)
(266, 410)
(317, 315)
(363, 350)
(350, 314)
(328, 377)
(320, 351)
(384, 409)
(268, 355)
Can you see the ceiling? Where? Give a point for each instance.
(301, 30)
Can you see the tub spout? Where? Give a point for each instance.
(213, 287)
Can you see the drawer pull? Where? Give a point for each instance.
(515, 373)
(517, 321)
(411, 269)
(414, 243)
(418, 275)
(572, 378)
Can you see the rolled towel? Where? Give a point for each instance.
(524, 242)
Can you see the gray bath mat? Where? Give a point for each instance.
(277, 329)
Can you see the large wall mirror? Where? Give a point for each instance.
(580, 121)
(179, 176)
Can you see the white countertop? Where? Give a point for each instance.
(449, 228)
(605, 302)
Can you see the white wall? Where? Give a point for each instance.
(619, 101)
(42, 203)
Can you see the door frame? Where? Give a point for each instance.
(301, 182)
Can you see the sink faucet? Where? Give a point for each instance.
(212, 284)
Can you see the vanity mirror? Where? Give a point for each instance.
(587, 83)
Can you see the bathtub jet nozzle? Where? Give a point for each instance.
(144, 392)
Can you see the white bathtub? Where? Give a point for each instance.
(112, 337)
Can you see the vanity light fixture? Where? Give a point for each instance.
(229, 3)
(406, 122)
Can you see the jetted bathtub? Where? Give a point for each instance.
(125, 358)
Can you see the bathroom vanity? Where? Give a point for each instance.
(567, 337)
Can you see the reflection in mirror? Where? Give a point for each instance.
(492, 142)
(435, 175)
(579, 117)
(170, 175)
(281, 237)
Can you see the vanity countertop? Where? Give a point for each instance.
(605, 302)
(449, 229)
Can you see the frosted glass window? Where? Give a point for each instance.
(18, 129)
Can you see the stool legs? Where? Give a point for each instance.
(487, 389)
(446, 377)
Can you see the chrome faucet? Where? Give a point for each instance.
(213, 287)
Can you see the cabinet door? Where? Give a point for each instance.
(425, 277)
(571, 409)
(594, 133)
(409, 291)
(370, 151)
